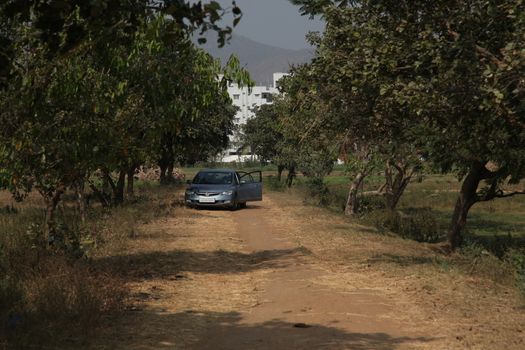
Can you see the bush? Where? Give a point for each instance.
(369, 204)
(419, 225)
(273, 184)
(476, 259)
(62, 290)
(516, 258)
(317, 189)
(49, 293)
(500, 245)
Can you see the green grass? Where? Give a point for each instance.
(438, 192)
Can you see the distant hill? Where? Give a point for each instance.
(261, 60)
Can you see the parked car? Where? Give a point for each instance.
(224, 188)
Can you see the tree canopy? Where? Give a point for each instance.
(107, 86)
(437, 81)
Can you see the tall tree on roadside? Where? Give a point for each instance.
(261, 133)
(59, 95)
(450, 71)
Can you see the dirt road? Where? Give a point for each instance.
(278, 275)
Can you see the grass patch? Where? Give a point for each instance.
(419, 225)
(58, 295)
(495, 230)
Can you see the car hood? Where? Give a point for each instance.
(211, 188)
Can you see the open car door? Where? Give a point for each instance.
(250, 186)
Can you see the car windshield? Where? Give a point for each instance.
(213, 178)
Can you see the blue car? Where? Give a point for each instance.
(224, 188)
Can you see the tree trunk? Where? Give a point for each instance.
(102, 196)
(163, 167)
(81, 201)
(352, 202)
(130, 191)
(51, 198)
(395, 184)
(166, 159)
(291, 176)
(118, 193)
(466, 199)
(105, 182)
(280, 169)
(169, 171)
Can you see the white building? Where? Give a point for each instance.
(246, 101)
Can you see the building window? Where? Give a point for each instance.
(235, 96)
(257, 95)
(267, 96)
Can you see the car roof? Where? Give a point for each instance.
(217, 170)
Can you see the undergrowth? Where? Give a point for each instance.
(55, 293)
(500, 258)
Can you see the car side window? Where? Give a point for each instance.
(246, 179)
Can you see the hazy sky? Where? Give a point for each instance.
(273, 22)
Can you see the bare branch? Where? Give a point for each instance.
(510, 194)
(499, 194)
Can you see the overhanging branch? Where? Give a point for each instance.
(510, 194)
(499, 194)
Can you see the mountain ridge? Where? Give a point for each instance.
(261, 60)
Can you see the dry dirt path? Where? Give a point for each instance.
(279, 276)
(294, 311)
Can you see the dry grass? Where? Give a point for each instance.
(172, 272)
(51, 298)
(469, 304)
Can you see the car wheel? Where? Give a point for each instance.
(242, 205)
(234, 206)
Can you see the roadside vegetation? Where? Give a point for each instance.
(494, 235)
(423, 103)
(60, 295)
(93, 94)
(405, 89)
(401, 93)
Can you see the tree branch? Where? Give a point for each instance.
(499, 194)
(510, 194)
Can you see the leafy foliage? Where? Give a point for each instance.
(107, 85)
(438, 81)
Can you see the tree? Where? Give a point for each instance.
(334, 103)
(261, 134)
(72, 95)
(310, 135)
(452, 72)
(51, 125)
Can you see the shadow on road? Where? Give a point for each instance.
(148, 265)
(211, 330)
(249, 206)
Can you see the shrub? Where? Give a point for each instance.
(369, 204)
(477, 260)
(420, 225)
(516, 258)
(500, 245)
(317, 190)
(273, 184)
(49, 293)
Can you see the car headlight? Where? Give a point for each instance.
(227, 193)
(190, 193)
